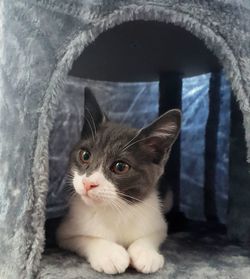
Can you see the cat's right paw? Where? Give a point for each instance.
(109, 258)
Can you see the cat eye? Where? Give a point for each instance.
(120, 167)
(84, 156)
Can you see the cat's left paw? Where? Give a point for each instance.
(145, 260)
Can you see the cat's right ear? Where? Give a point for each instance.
(93, 115)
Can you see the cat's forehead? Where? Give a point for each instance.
(113, 136)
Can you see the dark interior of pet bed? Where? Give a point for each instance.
(135, 77)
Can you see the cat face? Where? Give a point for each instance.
(113, 163)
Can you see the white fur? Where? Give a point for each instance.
(98, 195)
(111, 233)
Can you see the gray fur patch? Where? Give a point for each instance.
(145, 151)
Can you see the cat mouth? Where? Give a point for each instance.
(90, 198)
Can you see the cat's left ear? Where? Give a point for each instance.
(158, 138)
(93, 115)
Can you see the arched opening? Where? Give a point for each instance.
(141, 50)
(139, 57)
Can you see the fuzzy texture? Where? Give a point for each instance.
(187, 255)
(139, 228)
(115, 216)
(69, 122)
(39, 42)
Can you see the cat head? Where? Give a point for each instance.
(114, 163)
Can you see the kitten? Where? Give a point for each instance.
(115, 217)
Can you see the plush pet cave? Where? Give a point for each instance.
(140, 59)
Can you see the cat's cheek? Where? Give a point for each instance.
(77, 183)
(78, 189)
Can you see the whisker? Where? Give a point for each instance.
(133, 212)
(90, 126)
(133, 198)
(128, 146)
(68, 186)
(68, 180)
(121, 206)
(132, 208)
(131, 140)
(92, 132)
(125, 195)
(118, 208)
(122, 194)
(92, 119)
(113, 203)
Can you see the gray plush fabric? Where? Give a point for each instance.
(39, 41)
(187, 256)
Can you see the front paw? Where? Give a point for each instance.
(145, 260)
(109, 258)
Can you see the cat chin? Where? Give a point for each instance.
(91, 201)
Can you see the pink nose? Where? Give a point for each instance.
(88, 185)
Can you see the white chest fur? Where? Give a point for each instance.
(122, 225)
